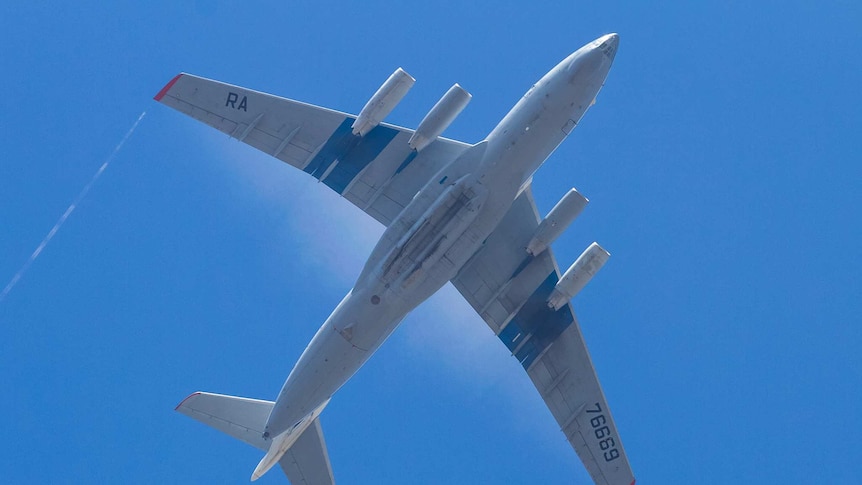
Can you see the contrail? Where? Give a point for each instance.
(68, 212)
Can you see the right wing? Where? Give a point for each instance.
(509, 289)
(379, 172)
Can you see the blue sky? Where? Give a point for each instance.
(722, 162)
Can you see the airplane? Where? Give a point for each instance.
(454, 212)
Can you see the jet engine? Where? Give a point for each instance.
(440, 117)
(566, 210)
(578, 275)
(383, 102)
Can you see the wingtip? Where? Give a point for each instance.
(186, 399)
(168, 86)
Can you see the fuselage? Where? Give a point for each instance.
(444, 225)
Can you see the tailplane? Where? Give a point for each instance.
(302, 456)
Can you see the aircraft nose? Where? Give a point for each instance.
(593, 57)
(608, 45)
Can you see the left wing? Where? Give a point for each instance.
(509, 289)
(378, 172)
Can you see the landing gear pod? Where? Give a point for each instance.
(440, 117)
(566, 210)
(384, 100)
(578, 275)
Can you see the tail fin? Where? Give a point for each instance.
(306, 461)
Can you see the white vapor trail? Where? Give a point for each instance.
(69, 211)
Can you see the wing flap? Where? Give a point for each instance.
(501, 277)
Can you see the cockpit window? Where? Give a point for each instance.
(609, 50)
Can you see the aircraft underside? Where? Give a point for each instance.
(454, 212)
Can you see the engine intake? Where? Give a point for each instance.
(566, 210)
(440, 117)
(578, 275)
(383, 102)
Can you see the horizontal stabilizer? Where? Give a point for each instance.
(240, 417)
(307, 461)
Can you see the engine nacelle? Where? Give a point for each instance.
(440, 117)
(566, 210)
(578, 275)
(383, 102)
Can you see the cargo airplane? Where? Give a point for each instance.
(453, 212)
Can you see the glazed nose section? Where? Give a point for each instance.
(608, 45)
(593, 59)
